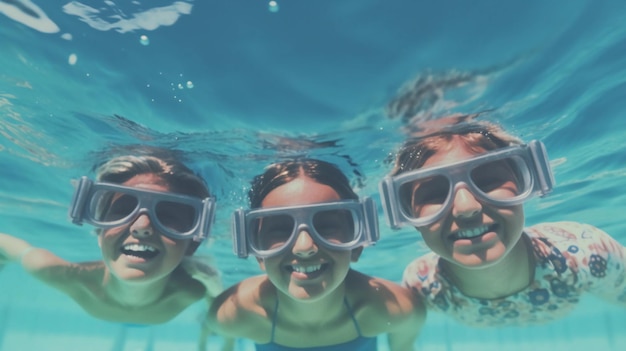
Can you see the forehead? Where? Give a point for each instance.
(453, 151)
(300, 191)
(148, 181)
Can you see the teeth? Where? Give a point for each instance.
(470, 233)
(139, 248)
(306, 269)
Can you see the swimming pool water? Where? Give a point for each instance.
(236, 84)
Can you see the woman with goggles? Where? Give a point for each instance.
(305, 226)
(462, 187)
(151, 213)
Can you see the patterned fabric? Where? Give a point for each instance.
(571, 258)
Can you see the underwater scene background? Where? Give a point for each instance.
(238, 84)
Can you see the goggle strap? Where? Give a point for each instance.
(79, 199)
(389, 201)
(542, 166)
(239, 234)
(371, 218)
(206, 220)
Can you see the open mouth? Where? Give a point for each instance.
(472, 232)
(140, 250)
(308, 271)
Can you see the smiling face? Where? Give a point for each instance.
(306, 271)
(136, 251)
(471, 233)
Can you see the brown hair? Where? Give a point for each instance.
(474, 135)
(281, 173)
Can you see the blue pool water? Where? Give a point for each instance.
(238, 83)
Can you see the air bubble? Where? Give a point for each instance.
(273, 6)
(189, 84)
(72, 59)
(144, 40)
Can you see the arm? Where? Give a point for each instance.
(12, 249)
(41, 263)
(389, 308)
(411, 319)
(211, 279)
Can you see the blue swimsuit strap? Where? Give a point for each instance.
(356, 324)
(345, 302)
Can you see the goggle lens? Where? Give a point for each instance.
(499, 180)
(274, 231)
(107, 206)
(502, 179)
(176, 216)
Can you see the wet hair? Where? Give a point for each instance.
(163, 163)
(281, 173)
(474, 135)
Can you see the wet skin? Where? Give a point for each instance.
(471, 234)
(136, 252)
(306, 271)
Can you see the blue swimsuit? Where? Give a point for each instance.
(361, 343)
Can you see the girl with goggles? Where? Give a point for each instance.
(151, 213)
(462, 187)
(305, 226)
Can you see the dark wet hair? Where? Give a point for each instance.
(281, 173)
(475, 135)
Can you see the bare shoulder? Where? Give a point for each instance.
(244, 309)
(382, 305)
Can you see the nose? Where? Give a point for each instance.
(141, 227)
(305, 245)
(465, 204)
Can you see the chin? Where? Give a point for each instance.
(483, 260)
(306, 295)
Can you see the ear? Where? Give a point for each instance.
(356, 253)
(261, 263)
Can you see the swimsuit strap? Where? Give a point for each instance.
(274, 317)
(356, 325)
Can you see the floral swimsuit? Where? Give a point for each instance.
(571, 258)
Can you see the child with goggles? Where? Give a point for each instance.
(151, 213)
(462, 187)
(305, 226)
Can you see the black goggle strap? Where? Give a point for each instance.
(79, 199)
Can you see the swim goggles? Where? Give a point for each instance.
(342, 225)
(107, 205)
(505, 177)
